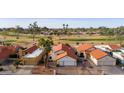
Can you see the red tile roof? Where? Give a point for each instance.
(98, 53)
(84, 47)
(66, 54)
(5, 51)
(114, 47)
(68, 51)
(64, 47)
(61, 55)
(31, 49)
(57, 47)
(71, 53)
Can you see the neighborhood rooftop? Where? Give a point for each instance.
(114, 47)
(31, 49)
(35, 53)
(98, 53)
(84, 47)
(64, 47)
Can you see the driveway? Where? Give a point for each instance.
(112, 70)
(24, 70)
(67, 70)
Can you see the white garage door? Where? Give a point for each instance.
(67, 63)
(107, 61)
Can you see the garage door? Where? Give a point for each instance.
(68, 63)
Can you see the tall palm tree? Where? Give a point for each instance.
(46, 44)
(66, 31)
(66, 26)
(63, 26)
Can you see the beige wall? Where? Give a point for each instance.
(32, 61)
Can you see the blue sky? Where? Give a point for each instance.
(57, 22)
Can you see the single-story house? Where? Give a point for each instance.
(31, 55)
(100, 58)
(83, 48)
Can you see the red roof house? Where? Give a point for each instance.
(97, 54)
(67, 55)
(84, 47)
(31, 49)
(99, 57)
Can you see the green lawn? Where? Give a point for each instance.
(71, 39)
(89, 39)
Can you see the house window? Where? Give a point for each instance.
(50, 57)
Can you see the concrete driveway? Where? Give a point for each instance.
(24, 70)
(112, 70)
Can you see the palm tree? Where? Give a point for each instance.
(46, 44)
(66, 26)
(63, 26)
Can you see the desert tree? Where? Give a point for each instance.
(46, 44)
